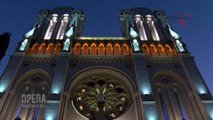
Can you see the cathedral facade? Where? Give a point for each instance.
(146, 74)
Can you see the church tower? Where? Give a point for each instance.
(56, 73)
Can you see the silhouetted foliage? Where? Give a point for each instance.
(18, 118)
(4, 43)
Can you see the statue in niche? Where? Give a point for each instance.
(161, 15)
(180, 46)
(129, 18)
(136, 45)
(133, 33)
(23, 45)
(74, 19)
(66, 44)
(40, 17)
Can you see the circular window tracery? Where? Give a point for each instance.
(101, 94)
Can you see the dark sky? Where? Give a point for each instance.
(102, 19)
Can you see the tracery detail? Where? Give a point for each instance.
(96, 91)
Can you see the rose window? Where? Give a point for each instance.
(100, 93)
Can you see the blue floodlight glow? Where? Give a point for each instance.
(201, 90)
(211, 115)
(209, 107)
(49, 117)
(55, 90)
(152, 118)
(145, 90)
(51, 110)
(3, 87)
(151, 112)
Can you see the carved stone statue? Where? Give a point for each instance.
(66, 44)
(129, 20)
(40, 17)
(74, 19)
(136, 45)
(23, 45)
(180, 46)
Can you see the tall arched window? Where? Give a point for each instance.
(77, 49)
(85, 49)
(101, 49)
(63, 27)
(153, 50)
(169, 50)
(93, 49)
(161, 50)
(163, 104)
(51, 27)
(109, 49)
(152, 28)
(145, 49)
(57, 48)
(34, 84)
(140, 27)
(173, 96)
(49, 49)
(125, 49)
(117, 49)
(41, 48)
(34, 48)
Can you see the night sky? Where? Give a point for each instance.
(102, 19)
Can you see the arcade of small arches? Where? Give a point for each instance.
(149, 49)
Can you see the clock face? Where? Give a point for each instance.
(100, 88)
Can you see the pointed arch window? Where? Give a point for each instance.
(145, 49)
(51, 27)
(125, 49)
(140, 26)
(85, 49)
(34, 49)
(183, 114)
(109, 49)
(101, 49)
(161, 50)
(57, 48)
(153, 50)
(169, 50)
(63, 26)
(117, 49)
(41, 48)
(49, 49)
(152, 28)
(163, 106)
(77, 49)
(93, 49)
